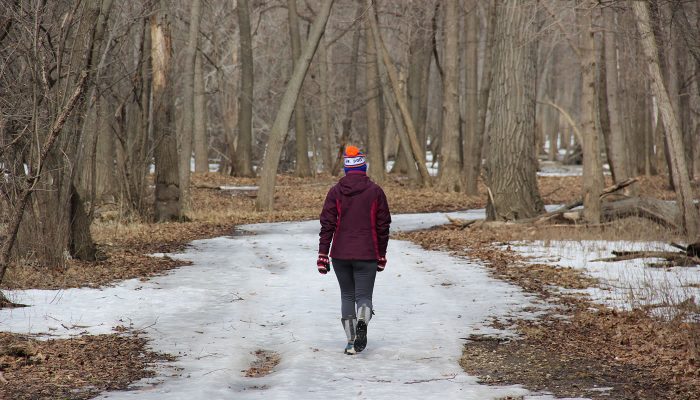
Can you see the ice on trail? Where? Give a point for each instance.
(261, 290)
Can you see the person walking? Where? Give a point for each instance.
(355, 218)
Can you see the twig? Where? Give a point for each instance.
(678, 246)
(564, 31)
(552, 192)
(430, 380)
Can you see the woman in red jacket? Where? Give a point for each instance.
(356, 219)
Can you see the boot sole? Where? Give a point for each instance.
(361, 338)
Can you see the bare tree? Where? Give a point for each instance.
(511, 163)
(47, 217)
(265, 200)
(375, 151)
(470, 158)
(303, 168)
(132, 133)
(475, 155)
(326, 134)
(199, 132)
(592, 166)
(167, 179)
(617, 156)
(184, 139)
(450, 178)
(244, 154)
(393, 89)
(679, 170)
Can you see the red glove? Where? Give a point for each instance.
(323, 264)
(381, 263)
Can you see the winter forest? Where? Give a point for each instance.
(163, 165)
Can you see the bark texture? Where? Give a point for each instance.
(471, 157)
(185, 134)
(511, 164)
(244, 151)
(199, 137)
(167, 205)
(592, 166)
(450, 167)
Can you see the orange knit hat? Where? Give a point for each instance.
(354, 159)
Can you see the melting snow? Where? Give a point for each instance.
(262, 291)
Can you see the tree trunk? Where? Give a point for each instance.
(684, 194)
(184, 138)
(133, 156)
(105, 155)
(592, 167)
(695, 106)
(476, 152)
(618, 156)
(511, 165)
(303, 168)
(201, 143)
(266, 193)
(326, 127)
(244, 152)
(167, 180)
(375, 153)
(450, 179)
(471, 101)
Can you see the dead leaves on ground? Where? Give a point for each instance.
(77, 368)
(265, 361)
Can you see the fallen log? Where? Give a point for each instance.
(662, 212)
(461, 223)
(579, 202)
(691, 250)
(677, 258)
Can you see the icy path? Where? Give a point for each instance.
(262, 291)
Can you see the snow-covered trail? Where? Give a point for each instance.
(262, 291)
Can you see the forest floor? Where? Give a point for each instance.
(576, 345)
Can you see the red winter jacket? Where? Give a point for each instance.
(356, 218)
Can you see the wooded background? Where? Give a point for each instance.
(95, 95)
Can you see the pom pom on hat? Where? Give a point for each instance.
(354, 159)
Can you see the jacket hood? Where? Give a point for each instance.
(352, 184)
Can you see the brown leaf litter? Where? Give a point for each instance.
(265, 361)
(75, 368)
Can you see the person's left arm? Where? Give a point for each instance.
(383, 221)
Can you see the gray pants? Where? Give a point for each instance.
(356, 279)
